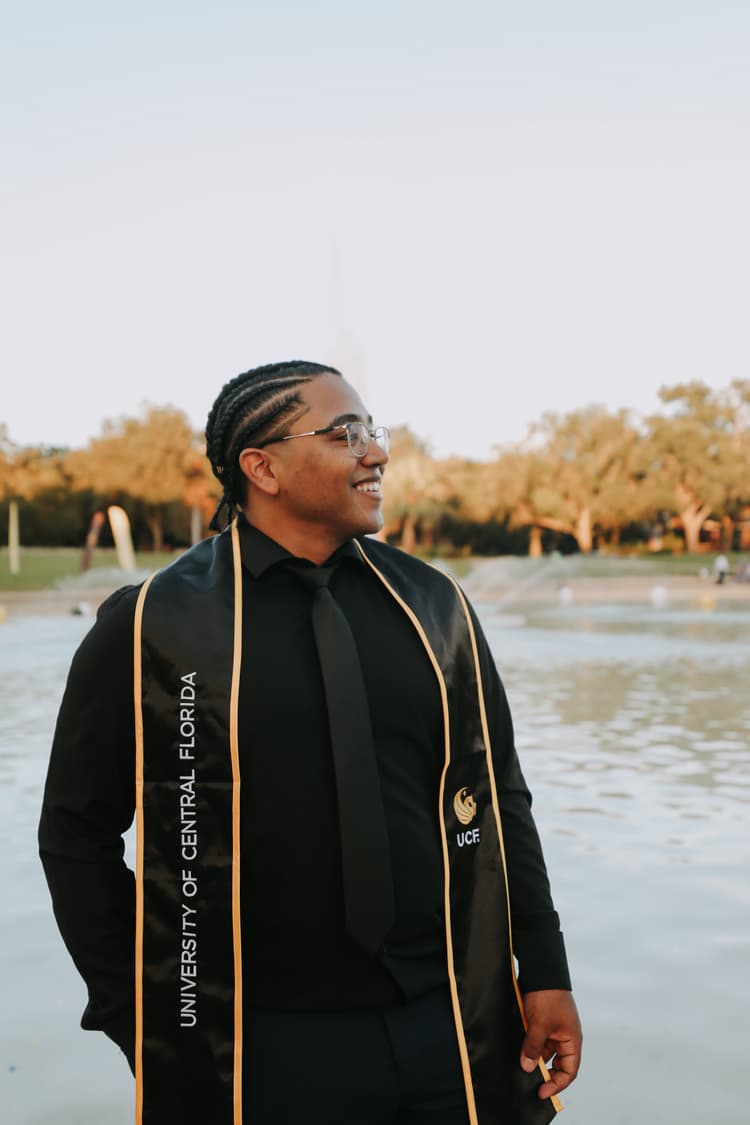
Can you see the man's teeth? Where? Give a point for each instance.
(369, 486)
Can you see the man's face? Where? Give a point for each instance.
(322, 487)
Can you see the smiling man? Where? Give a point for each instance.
(336, 860)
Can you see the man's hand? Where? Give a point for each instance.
(554, 1029)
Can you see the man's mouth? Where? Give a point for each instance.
(369, 486)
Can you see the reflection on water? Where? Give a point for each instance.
(633, 728)
(632, 724)
(49, 1071)
(653, 744)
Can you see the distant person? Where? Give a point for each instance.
(330, 942)
(742, 573)
(721, 569)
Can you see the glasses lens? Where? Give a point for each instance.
(382, 436)
(359, 438)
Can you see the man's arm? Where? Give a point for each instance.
(88, 805)
(553, 1025)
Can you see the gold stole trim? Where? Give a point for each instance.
(460, 1034)
(234, 749)
(138, 703)
(496, 809)
(139, 820)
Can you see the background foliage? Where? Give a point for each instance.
(587, 479)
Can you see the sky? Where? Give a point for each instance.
(479, 211)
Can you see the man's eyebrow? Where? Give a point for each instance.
(340, 419)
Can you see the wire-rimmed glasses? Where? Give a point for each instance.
(358, 436)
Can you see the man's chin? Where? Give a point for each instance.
(370, 526)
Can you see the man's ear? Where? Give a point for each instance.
(258, 468)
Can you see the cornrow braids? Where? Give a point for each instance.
(250, 409)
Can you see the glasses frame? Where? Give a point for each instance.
(370, 434)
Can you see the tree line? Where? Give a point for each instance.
(583, 479)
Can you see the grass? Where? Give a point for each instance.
(42, 566)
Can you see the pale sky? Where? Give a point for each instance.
(479, 211)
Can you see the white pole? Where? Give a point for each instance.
(120, 524)
(14, 538)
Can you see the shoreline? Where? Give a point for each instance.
(642, 589)
(52, 603)
(553, 589)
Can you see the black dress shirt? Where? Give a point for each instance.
(296, 952)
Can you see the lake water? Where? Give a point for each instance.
(632, 723)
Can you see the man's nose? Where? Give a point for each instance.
(375, 454)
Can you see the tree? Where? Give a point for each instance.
(573, 475)
(150, 459)
(200, 493)
(693, 454)
(414, 492)
(738, 467)
(25, 472)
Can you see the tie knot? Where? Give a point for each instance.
(315, 578)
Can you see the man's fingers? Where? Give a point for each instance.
(562, 1071)
(533, 1047)
(545, 1052)
(556, 1085)
(553, 1029)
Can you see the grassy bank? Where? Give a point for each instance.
(41, 567)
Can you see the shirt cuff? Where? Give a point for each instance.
(542, 961)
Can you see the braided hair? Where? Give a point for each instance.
(250, 409)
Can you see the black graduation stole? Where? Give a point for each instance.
(188, 940)
(189, 1000)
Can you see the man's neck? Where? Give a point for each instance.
(304, 543)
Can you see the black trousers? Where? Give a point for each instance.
(380, 1066)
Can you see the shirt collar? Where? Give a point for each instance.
(259, 552)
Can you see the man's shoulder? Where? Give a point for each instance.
(196, 567)
(120, 604)
(410, 568)
(110, 634)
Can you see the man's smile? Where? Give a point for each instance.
(370, 486)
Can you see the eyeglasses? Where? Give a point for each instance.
(358, 435)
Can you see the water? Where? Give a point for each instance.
(50, 1071)
(632, 723)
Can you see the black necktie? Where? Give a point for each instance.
(365, 854)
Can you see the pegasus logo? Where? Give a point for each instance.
(464, 806)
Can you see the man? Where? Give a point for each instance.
(336, 861)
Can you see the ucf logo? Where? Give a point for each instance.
(465, 808)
